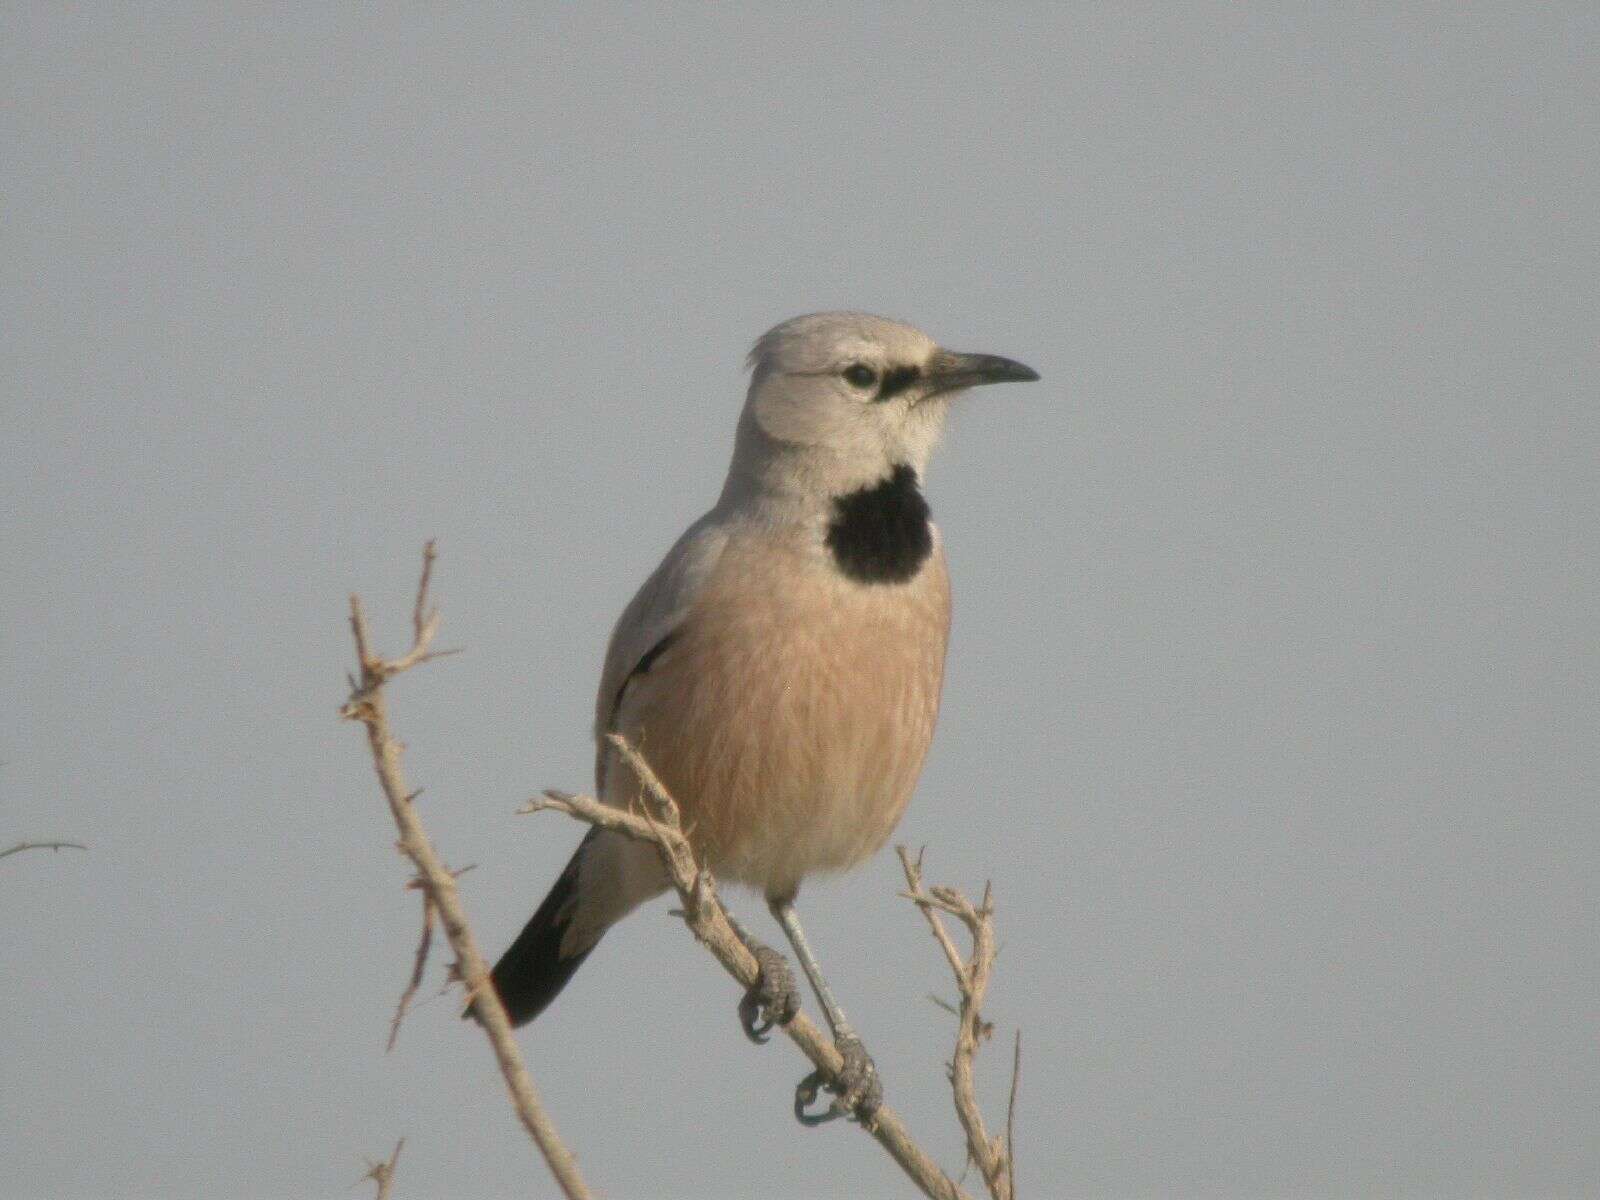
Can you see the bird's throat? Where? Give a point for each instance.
(880, 534)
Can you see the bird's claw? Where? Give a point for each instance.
(857, 1090)
(773, 999)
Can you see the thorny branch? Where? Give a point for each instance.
(993, 1155)
(708, 921)
(657, 821)
(367, 705)
(704, 914)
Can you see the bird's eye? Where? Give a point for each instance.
(860, 375)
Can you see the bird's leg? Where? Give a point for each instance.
(773, 999)
(856, 1087)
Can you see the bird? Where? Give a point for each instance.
(781, 669)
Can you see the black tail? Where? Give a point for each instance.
(533, 971)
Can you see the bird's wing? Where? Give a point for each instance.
(651, 619)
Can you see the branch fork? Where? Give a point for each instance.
(992, 1154)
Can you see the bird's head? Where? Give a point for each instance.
(839, 399)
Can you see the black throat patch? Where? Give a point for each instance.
(880, 534)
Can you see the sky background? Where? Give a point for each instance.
(1271, 706)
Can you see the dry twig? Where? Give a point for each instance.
(21, 846)
(991, 1154)
(1011, 1113)
(418, 966)
(367, 705)
(382, 1173)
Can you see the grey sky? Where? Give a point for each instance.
(1271, 705)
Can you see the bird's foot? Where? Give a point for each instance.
(773, 999)
(856, 1088)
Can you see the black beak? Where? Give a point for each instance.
(951, 372)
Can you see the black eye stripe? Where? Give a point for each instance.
(898, 379)
(895, 380)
